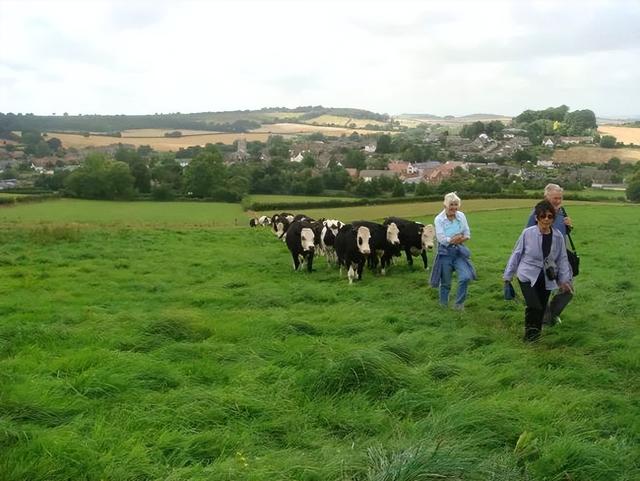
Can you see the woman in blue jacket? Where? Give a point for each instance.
(539, 261)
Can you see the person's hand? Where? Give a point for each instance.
(568, 221)
(566, 287)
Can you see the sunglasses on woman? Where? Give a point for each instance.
(547, 216)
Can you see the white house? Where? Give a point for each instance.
(370, 149)
(548, 143)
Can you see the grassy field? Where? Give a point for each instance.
(588, 154)
(157, 347)
(137, 214)
(293, 198)
(628, 135)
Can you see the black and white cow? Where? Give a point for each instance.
(353, 249)
(286, 215)
(302, 239)
(264, 220)
(303, 217)
(328, 239)
(415, 238)
(384, 243)
(253, 222)
(280, 223)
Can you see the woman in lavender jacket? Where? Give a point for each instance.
(539, 261)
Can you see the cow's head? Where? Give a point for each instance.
(363, 235)
(334, 225)
(264, 220)
(393, 234)
(307, 239)
(279, 227)
(428, 235)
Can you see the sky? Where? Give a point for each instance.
(436, 57)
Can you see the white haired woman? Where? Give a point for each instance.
(452, 231)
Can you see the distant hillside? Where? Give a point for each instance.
(452, 119)
(229, 121)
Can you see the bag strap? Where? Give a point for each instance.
(564, 213)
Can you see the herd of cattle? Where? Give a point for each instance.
(350, 245)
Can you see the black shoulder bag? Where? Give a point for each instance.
(572, 254)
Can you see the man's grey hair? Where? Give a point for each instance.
(450, 198)
(549, 188)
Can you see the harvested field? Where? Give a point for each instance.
(162, 144)
(585, 154)
(161, 132)
(627, 135)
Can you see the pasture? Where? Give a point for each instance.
(150, 343)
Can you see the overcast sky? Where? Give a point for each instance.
(438, 57)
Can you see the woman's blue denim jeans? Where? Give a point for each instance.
(452, 262)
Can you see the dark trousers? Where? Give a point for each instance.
(535, 298)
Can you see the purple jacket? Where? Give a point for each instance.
(526, 260)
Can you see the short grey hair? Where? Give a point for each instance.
(552, 188)
(450, 198)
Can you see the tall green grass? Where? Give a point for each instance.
(151, 351)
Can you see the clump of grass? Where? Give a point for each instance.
(48, 234)
(443, 371)
(375, 373)
(177, 330)
(416, 463)
(305, 328)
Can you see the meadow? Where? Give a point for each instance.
(148, 343)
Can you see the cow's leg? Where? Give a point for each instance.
(409, 257)
(360, 269)
(423, 254)
(309, 262)
(296, 261)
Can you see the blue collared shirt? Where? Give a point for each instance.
(446, 229)
(527, 261)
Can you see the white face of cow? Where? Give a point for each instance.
(307, 239)
(392, 234)
(264, 220)
(334, 225)
(363, 236)
(278, 229)
(428, 235)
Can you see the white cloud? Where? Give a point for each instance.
(435, 57)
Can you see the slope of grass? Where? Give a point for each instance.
(188, 352)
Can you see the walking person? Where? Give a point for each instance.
(553, 193)
(452, 231)
(539, 261)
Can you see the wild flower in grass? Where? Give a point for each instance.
(241, 459)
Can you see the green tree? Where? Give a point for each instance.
(383, 145)
(308, 159)
(205, 174)
(633, 188)
(398, 188)
(608, 141)
(355, 159)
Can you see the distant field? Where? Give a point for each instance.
(161, 132)
(293, 198)
(424, 210)
(282, 115)
(93, 212)
(155, 137)
(162, 144)
(291, 128)
(342, 121)
(627, 135)
(585, 154)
